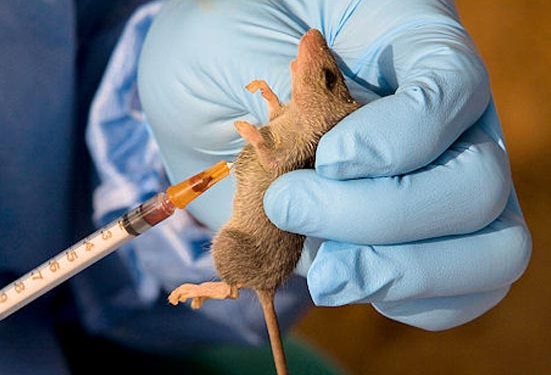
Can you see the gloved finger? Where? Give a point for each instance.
(435, 314)
(489, 259)
(463, 191)
(434, 85)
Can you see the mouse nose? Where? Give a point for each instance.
(313, 34)
(310, 43)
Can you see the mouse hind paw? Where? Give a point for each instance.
(199, 293)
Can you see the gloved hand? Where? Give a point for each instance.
(411, 206)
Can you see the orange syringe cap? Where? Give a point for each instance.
(184, 192)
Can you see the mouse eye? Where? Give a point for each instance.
(330, 78)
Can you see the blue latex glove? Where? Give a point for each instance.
(411, 200)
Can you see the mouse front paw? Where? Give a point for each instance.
(274, 107)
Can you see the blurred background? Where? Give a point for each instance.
(514, 39)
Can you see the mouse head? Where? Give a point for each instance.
(317, 82)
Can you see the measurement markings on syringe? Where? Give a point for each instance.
(66, 261)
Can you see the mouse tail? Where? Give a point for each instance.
(266, 298)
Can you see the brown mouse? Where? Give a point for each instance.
(249, 251)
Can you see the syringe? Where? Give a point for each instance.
(107, 239)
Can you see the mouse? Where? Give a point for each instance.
(249, 251)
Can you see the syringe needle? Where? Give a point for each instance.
(107, 239)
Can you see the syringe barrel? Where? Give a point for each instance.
(84, 253)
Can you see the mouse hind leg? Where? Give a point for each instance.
(199, 293)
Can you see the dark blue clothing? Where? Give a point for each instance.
(52, 56)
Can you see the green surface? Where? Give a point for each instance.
(89, 354)
(241, 360)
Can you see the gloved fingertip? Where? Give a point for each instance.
(309, 251)
(441, 313)
(332, 170)
(326, 282)
(343, 273)
(277, 204)
(288, 202)
(344, 155)
(332, 160)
